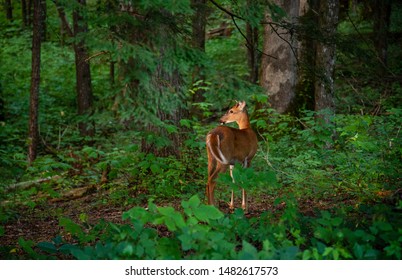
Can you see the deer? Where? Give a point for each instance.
(227, 146)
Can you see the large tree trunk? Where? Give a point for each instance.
(33, 134)
(325, 57)
(157, 102)
(166, 83)
(279, 64)
(83, 73)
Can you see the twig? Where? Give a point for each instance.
(233, 16)
(97, 54)
(286, 41)
(265, 156)
(369, 46)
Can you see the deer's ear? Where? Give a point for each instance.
(241, 105)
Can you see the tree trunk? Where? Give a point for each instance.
(157, 101)
(8, 6)
(29, 11)
(252, 53)
(172, 82)
(199, 21)
(24, 13)
(325, 58)
(82, 66)
(2, 111)
(83, 73)
(382, 15)
(306, 77)
(279, 64)
(33, 133)
(43, 20)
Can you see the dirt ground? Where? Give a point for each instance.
(41, 223)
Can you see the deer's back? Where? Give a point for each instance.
(237, 145)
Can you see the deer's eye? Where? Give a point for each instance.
(231, 111)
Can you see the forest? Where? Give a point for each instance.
(105, 108)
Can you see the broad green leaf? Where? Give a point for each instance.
(248, 252)
(207, 212)
(48, 247)
(194, 201)
(70, 226)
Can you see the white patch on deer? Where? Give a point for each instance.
(223, 159)
(220, 157)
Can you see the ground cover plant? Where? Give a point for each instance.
(314, 204)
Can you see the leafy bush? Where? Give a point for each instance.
(201, 231)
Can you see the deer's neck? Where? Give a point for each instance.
(244, 122)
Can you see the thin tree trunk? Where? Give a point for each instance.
(252, 54)
(9, 9)
(29, 11)
(112, 70)
(83, 73)
(199, 21)
(325, 58)
(43, 20)
(306, 56)
(382, 15)
(24, 13)
(33, 134)
(2, 111)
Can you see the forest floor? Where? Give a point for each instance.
(41, 223)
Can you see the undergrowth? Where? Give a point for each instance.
(348, 170)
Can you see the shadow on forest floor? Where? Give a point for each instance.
(41, 223)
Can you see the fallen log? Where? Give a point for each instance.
(28, 184)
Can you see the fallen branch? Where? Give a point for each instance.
(28, 184)
(75, 193)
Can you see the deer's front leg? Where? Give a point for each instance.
(246, 164)
(244, 201)
(231, 205)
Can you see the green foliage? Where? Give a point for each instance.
(328, 190)
(363, 162)
(201, 231)
(294, 165)
(139, 241)
(249, 179)
(361, 88)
